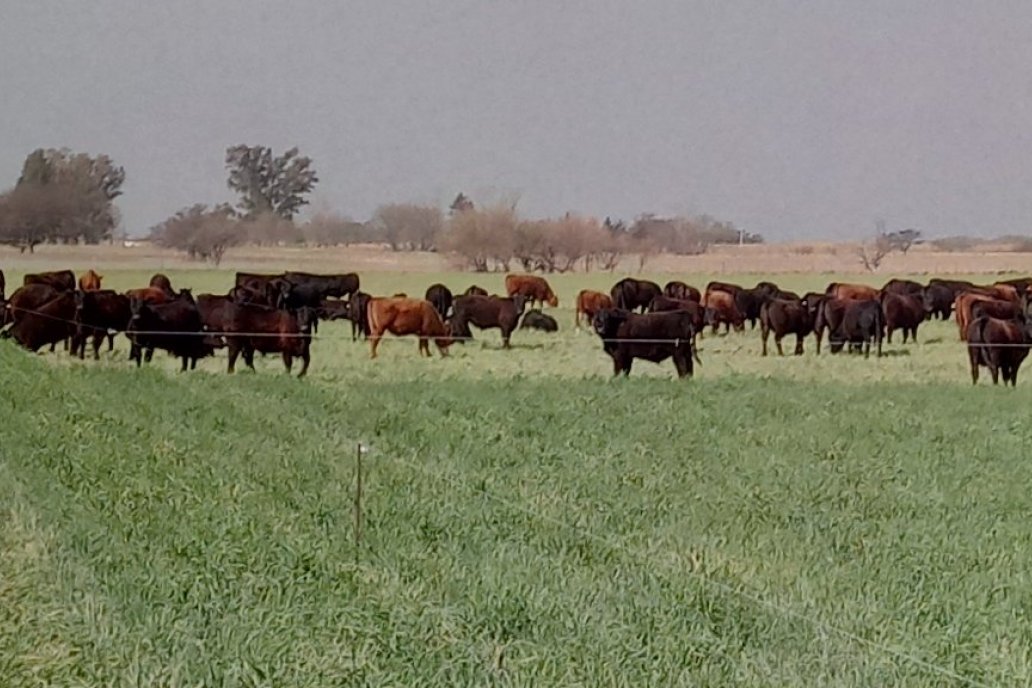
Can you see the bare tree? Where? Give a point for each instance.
(203, 233)
(871, 253)
(409, 226)
(269, 229)
(484, 238)
(330, 229)
(268, 184)
(33, 214)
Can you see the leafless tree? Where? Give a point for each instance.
(409, 226)
(203, 233)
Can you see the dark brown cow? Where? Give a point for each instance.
(160, 281)
(174, 326)
(590, 302)
(441, 298)
(862, 323)
(358, 313)
(903, 286)
(903, 311)
(150, 295)
(532, 288)
(631, 294)
(938, 300)
(784, 317)
(214, 309)
(486, 312)
(665, 304)
(26, 299)
(829, 316)
(404, 316)
(97, 315)
(750, 301)
(90, 281)
(474, 290)
(47, 323)
(652, 337)
(721, 308)
(682, 291)
(962, 306)
(249, 328)
(725, 287)
(62, 280)
(856, 292)
(999, 345)
(997, 308)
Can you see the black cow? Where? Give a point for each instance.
(440, 297)
(631, 294)
(250, 328)
(308, 285)
(902, 311)
(62, 280)
(784, 317)
(1000, 346)
(47, 323)
(862, 323)
(174, 326)
(938, 300)
(358, 309)
(97, 315)
(536, 320)
(652, 337)
(486, 312)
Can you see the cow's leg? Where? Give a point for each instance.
(764, 333)
(249, 357)
(306, 358)
(234, 351)
(818, 335)
(98, 339)
(867, 347)
(890, 336)
(110, 343)
(505, 339)
(288, 361)
(974, 357)
(683, 363)
(994, 366)
(879, 337)
(185, 361)
(777, 342)
(374, 341)
(798, 344)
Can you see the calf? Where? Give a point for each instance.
(902, 311)
(784, 317)
(97, 315)
(47, 323)
(536, 320)
(861, 324)
(588, 303)
(249, 328)
(486, 312)
(999, 345)
(441, 298)
(358, 313)
(404, 316)
(652, 337)
(174, 326)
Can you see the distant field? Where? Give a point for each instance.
(529, 521)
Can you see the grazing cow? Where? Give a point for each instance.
(474, 290)
(938, 300)
(47, 323)
(997, 308)
(828, 317)
(588, 303)
(160, 281)
(681, 292)
(902, 311)
(150, 295)
(531, 287)
(902, 286)
(174, 326)
(784, 317)
(62, 280)
(963, 304)
(659, 336)
(721, 308)
(90, 281)
(725, 287)
(404, 316)
(536, 320)
(861, 324)
(630, 294)
(441, 298)
(855, 292)
(249, 328)
(486, 312)
(999, 345)
(98, 314)
(26, 299)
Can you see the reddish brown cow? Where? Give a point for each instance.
(151, 295)
(721, 308)
(404, 316)
(531, 287)
(90, 281)
(855, 292)
(962, 306)
(588, 303)
(999, 345)
(1006, 292)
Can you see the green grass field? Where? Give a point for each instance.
(528, 520)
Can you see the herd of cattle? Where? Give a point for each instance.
(278, 313)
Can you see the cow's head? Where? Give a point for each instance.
(607, 321)
(520, 301)
(307, 319)
(552, 299)
(137, 307)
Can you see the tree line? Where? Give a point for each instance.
(66, 197)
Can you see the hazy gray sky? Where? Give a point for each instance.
(794, 119)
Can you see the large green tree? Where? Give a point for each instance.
(267, 183)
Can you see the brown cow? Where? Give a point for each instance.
(676, 289)
(249, 328)
(533, 288)
(721, 308)
(996, 308)
(784, 317)
(90, 281)
(999, 345)
(1006, 292)
(588, 303)
(404, 316)
(855, 292)
(48, 323)
(486, 312)
(902, 311)
(150, 295)
(962, 306)
(62, 280)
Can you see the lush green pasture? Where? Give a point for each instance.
(529, 521)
